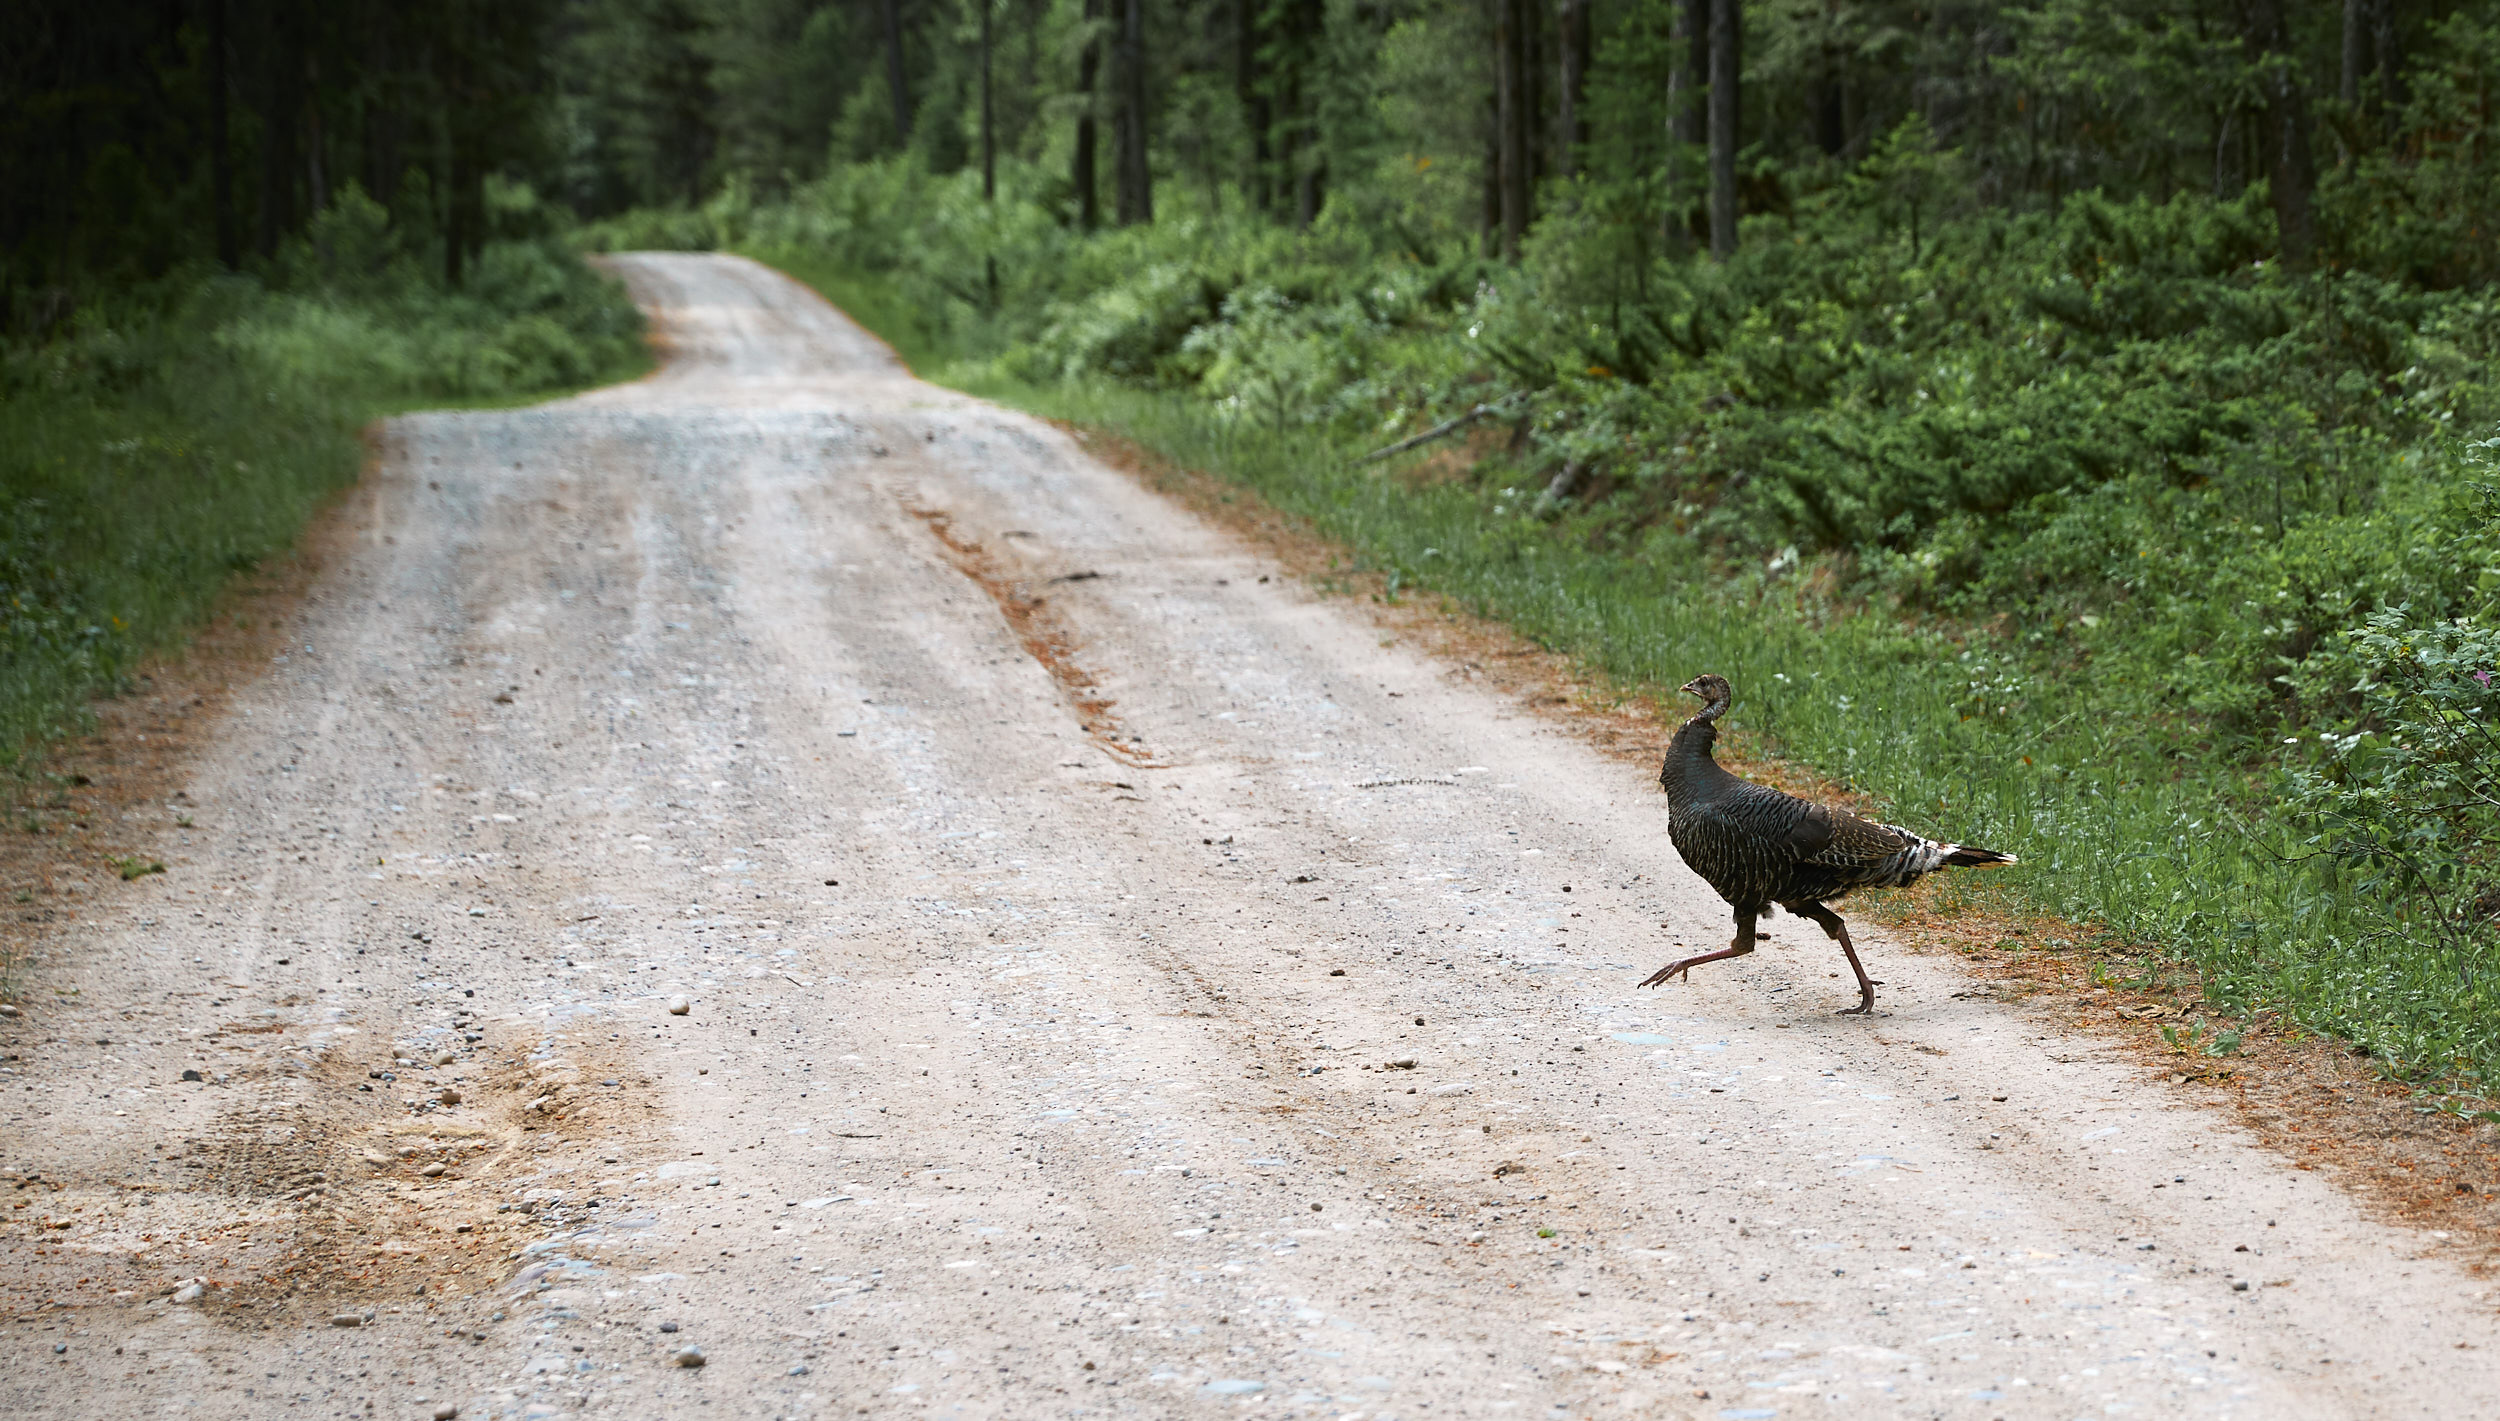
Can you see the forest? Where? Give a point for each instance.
(2079, 417)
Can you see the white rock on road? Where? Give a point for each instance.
(1027, 1082)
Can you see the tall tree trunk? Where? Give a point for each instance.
(1136, 179)
(1726, 36)
(2387, 46)
(989, 156)
(1489, 231)
(460, 82)
(220, 151)
(1510, 104)
(1257, 112)
(2291, 173)
(316, 176)
(1688, 35)
(1302, 40)
(1572, 19)
(1533, 99)
(380, 114)
(1690, 76)
(989, 140)
(895, 82)
(1831, 105)
(1081, 166)
(283, 106)
(2356, 51)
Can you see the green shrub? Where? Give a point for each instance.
(2407, 804)
(2400, 802)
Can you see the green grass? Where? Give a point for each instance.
(174, 437)
(2116, 827)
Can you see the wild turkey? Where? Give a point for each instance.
(1758, 847)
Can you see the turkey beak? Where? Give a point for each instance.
(1692, 688)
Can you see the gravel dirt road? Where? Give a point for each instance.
(1117, 981)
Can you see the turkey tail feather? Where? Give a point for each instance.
(1967, 856)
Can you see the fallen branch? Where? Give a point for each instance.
(1445, 427)
(1564, 485)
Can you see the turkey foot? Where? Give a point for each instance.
(1742, 945)
(1838, 931)
(1689, 963)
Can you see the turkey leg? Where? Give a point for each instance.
(1838, 931)
(1742, 945)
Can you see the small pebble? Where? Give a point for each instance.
(446, 1412)
(687, 1356)
(679, 1006)
(445, 1058)
(347, 1319)
(431, 1170)
(59, 1347)
(192, 1076)
(800, 1370)
(189, 1293)
(448, 1096)
(668, 1327)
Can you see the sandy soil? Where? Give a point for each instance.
(1117, 981)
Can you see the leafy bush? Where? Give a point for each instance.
(2407, 806)
(2402, 803)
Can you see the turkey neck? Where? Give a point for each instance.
(1690, 773)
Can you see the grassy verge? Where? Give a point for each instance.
(2115, 827)
(165, 440)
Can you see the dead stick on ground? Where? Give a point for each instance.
(1447, 426)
